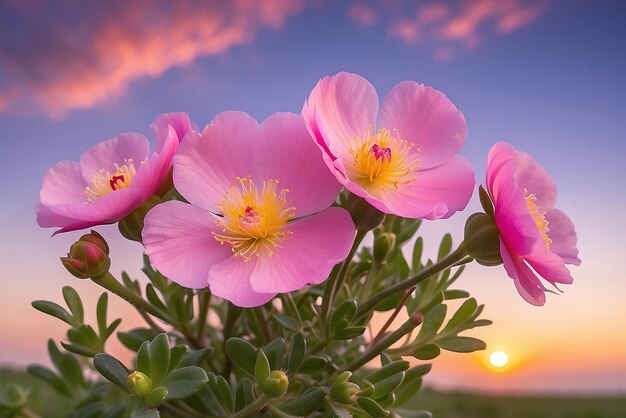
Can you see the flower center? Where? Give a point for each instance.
(105, 183)
(254, 221)
(383, 161)
(539, 216)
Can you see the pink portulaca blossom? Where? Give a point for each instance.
(408, 166)
(533, 233)
(260, 221)
(111, 179)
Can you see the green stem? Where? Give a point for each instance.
(111, 284)
(290, 306)
(334, 282)
(449, 261)
(27, 413)
(232, 315)
(257, 404)
(261, 322)
(204, 299)
(413, 321)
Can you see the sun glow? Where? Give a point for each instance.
(498, 359)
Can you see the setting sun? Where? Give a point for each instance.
(498, 359)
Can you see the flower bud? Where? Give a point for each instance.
(131, 226)
(482, 241)
(276, 384)
(383, 243)
(88, 257)
(343, 391)
(365, 216)
(140, 384)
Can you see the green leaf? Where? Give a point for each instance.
(427, 352)
(135, 337)
(111, 328)
(245, 394)
(387, 385)
(221, 390)
(159, 358)
(242, 353)
(51, 378)
(407, 391)
(313, 364)
(349, 333)
(176, 356)
(261, 367)
(195, 358)
(55, 310)
(101, 312)
(74, 303)
(432, 322)
(112, 370)
(417, 371)
(66, 364)
(156, 397)
(455, 294)
(462, 314)
(305, 404)
(286, 322)
(143, 411)
(142, 361)
(462, 344)
(274, 350)
(80, 349)
(372, 407)
(445, 247)
(416, 259)
(388, 370)
(184, 382)
(345, 311)
(297, 353)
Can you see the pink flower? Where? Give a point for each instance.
(408, 165)
(532, 232)
(259, 221)
(111, 180)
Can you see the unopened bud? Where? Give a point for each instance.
(131, 226)
(482, 241)
(365, 216)
(140, 384)
(343, 391)
(383, 243)
(88, 257)
(276, 384)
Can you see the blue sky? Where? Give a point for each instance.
(547, 76)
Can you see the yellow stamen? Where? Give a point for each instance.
(254, 222)
(105, 183)
(539, 216)
(382, 161)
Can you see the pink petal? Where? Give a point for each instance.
(338, 109)
(288, 154)
(179, 241)
(230, 280)
(549, 266)
(63, 183)
(435, 194)
(46, 218)
(107, 209)
(527, 284)
(427, 118)
(563, 236)
(532, 177)
(178, 120)
(516, 226)
(316, 244)
(150, 175)
(104, 155)
(208, 164)
(500, 156)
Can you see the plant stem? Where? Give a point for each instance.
(334, 282)
(204, 299)
(393, 315)
(413, 321)
(257, 404)
(449, 261)
(289, 305)
(111, 284)
(232, 315)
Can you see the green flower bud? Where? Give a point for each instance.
(383, 243)
(276, 384)
(140, 384)
(482, 241)
(131, 226)
(343, 391)
(365, 216)
(88, 257)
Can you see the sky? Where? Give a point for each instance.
(548, 76)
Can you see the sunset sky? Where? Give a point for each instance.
(548, 76)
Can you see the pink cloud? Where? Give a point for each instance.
(363, 14)
(77, 55)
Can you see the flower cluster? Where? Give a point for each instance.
(260, 213)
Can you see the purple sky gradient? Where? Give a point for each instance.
(547, 76)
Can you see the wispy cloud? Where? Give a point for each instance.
(64, 55)
(448, 25)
